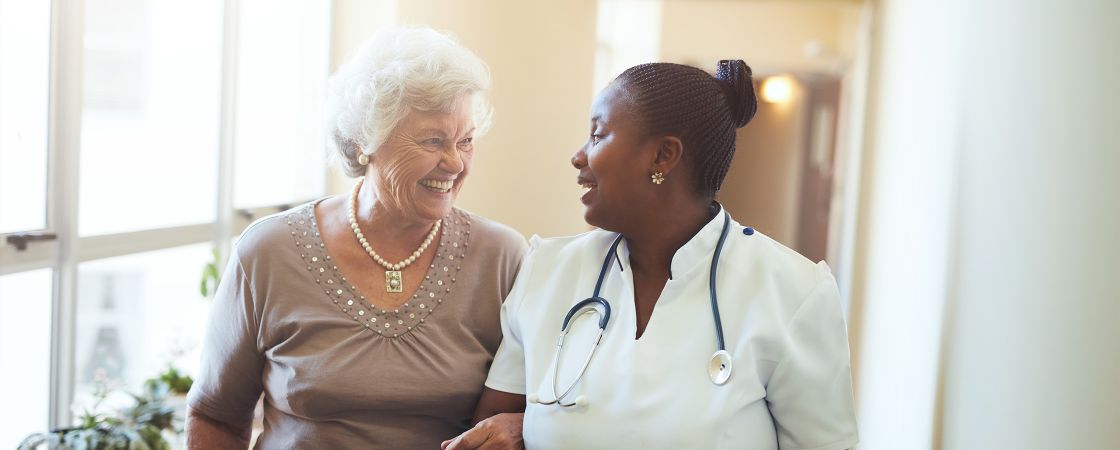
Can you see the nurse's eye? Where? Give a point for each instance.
(466, 145)
(595, 138)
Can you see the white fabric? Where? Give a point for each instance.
(782, 320)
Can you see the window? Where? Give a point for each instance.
(26, 295)
(150, 114)
(628, 33)
(129, 132)
(137, 314)
(24, 43)
(281, 71)
(25, 353)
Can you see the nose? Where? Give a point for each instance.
(452, 161)
(579, 159)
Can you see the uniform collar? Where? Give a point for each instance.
(698, 249)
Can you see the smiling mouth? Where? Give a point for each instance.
(588, 188)
(438, 186)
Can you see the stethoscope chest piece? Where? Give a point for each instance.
(719, 367)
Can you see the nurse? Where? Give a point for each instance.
(751, 353)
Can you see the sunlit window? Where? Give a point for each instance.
(25, 354)
(151, 114)
(24, 94)
(628, 33)
(138, 315)
(136, 107)
(281, 72)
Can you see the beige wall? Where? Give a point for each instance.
(763, 185)
(769, 35)
(541, 55)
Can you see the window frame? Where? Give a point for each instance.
(67, 250)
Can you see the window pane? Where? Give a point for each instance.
(136, 315)
(150, 116)
(25, 355)
(282, 64)
(24, 90)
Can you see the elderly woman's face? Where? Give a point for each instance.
(421, 167)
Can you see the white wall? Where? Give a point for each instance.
(991, 199)
(1033, 357)
(901, 273)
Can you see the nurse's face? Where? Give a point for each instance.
(614, 164)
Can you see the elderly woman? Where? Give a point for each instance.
(680, 328)
(367, 320)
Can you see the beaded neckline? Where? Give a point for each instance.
(391, 323)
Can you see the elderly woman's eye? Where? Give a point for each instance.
(466, 144)
(432, 142)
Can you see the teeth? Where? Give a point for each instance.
(438, 185)
(587, 185)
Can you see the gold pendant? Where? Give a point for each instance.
(393, 281)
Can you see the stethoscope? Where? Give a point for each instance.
(719, 366)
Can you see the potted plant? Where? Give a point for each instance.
(136, 427)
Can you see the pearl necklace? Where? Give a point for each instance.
(394, 282)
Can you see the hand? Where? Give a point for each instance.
(500, 432)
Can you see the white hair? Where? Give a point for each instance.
(394, 72)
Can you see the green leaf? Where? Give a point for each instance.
(211, 276)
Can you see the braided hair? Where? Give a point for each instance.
(703, 111)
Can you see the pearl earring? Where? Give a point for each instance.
(363, 159)
(657, 177)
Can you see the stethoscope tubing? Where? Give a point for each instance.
(604, 317)
(712, 280)
(582, 369)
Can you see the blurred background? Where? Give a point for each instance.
(956, 163)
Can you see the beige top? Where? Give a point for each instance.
(336, 371)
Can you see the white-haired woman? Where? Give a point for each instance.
(367, 320)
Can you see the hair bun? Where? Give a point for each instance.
(739, 87)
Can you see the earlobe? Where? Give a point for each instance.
(362, 157)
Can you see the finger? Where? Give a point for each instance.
(504, 432)
(471, 440)
(495, 438)
(494, 443)
(443, 445)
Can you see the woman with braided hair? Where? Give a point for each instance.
(669, 278)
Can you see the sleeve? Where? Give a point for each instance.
(810, 392)
(512, 257)
(229, 382)
(507, 372)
